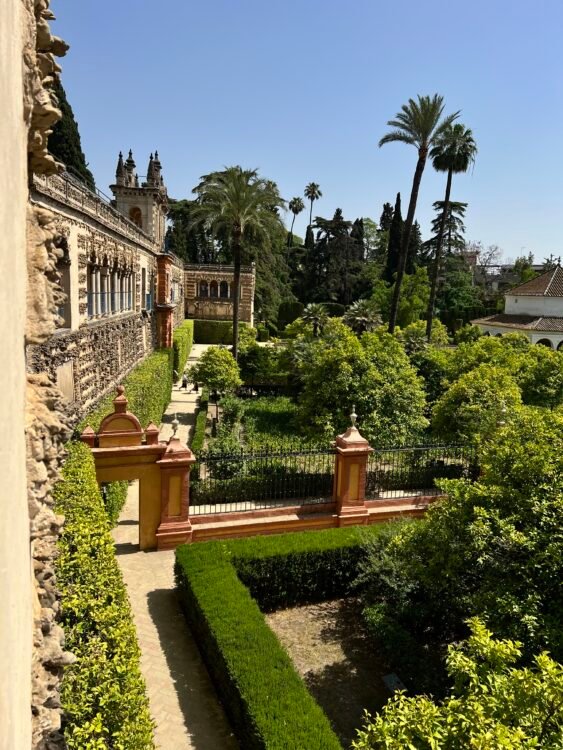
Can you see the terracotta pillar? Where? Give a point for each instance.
(175, 527)
(352, 451)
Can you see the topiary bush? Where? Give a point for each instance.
(182, 345)
(103, 693)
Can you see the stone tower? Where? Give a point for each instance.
(145, 204)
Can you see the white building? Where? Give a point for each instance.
(534, 308)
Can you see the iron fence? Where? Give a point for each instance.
(408, 472)
(253, 480)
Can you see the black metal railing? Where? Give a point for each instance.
(253, 480)
(408, 472)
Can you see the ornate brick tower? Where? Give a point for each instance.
(146, 204)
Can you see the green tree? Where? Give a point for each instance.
(413, 336)
(474, 407)
(337, 371)
(315, 313)
(415, 247)
(494, 705)
(217, 370)
(296, 206)
(312, 193)
(395, 243)
(418, 124)
(523, 266)
(64, 141)
(386, 217)
(453, 151)
(243, 207)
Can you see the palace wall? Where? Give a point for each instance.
(208, 292)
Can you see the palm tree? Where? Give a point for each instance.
(295, 205)
(241, 206)
(417, 124)
(315, 313)
(362, 316)
(454, 151)
(312, 193)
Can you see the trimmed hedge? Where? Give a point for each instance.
(214, 331)
(262, 333)
(267, 702)
(103, 693)
(198, 436)
(147, 387)
(182, 345)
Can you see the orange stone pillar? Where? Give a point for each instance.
(175, 527)
(164, 307)
(352, 451)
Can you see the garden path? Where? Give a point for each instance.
(182, 700)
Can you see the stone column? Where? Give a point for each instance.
(96, 280)
(352, 451)
(175, 527)
(105, 290)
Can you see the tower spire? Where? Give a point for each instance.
(120, 171)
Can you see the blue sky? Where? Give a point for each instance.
(303, 91)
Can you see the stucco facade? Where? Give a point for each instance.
(209, 292)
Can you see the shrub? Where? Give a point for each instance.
(268, 704)
(217, 370)
(114, 495)
(467, 333)
(182, 345)
(215, 331)
(263, 334)
(103, 693)
(288, 312)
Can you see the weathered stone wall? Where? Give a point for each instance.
(87, 363)
(45, 420)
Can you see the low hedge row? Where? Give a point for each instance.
(182, 345)
(103, 693)
(198, 435)
(214, 331)
(267, 702)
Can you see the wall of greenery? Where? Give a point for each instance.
(215, 331)
(182, 345)
(103, 693)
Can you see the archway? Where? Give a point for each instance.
(560, 346)
(545, 342)
(136, 216)
(122, 450)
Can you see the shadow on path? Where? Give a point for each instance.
(203, 716)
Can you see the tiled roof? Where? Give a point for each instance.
(529, 322)
(549, 284)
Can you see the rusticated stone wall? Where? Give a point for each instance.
(87, 363)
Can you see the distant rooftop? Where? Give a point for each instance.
(549, 284)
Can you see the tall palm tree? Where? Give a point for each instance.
(454, 151)
(418, 124)
(295, 205)
(312, 193)
(241, 206)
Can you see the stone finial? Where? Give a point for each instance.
(120, 171)
(88, 436)
(151, 434)
(120, 401)
(175, 425)
(353, 416)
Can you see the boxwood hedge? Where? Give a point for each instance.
(103, 692)
(182, 345)
(222, 586)
(214, 331)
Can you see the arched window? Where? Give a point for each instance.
(545, 342)
(213, 290)
(63, 269)
(136, 216)
(560, 346)
(224, 290)
(203, 289)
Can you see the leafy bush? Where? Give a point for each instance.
(103, 692)
(492, 548)
(476, 404)
(413, 336)
(217, 370)
(288, 312)
(114, 495)
(268, 704)
(493, 704)
(467, 333)
(262, 333)
(232, 409)
(182, 345)
(215, 331)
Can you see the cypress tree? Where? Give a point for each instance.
(415, 243)
(395, 239)
(64, 141)
(386, 218)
